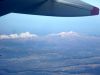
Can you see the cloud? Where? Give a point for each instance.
(54, 36)
(71, 33)
(80, 51)
(25, 35)
(65, 34)
(71, 36)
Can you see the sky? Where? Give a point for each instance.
(43, 25)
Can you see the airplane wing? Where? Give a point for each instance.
(69, 8)
(62, 8)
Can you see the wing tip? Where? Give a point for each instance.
(95, 11)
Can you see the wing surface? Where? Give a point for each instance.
(66, 8)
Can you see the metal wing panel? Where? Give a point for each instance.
(66, 9)
(76, 3)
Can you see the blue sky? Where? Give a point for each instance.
(42, 25)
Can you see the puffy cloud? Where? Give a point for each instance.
(4, 37)
(62, 35)
(66, 34)
(25, 35)
(72, 36)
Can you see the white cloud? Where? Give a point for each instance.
(72, 35)
(61, 35)
(25, 35)
(65, 34)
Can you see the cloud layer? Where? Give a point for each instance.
(55, 36)
(66, 53)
